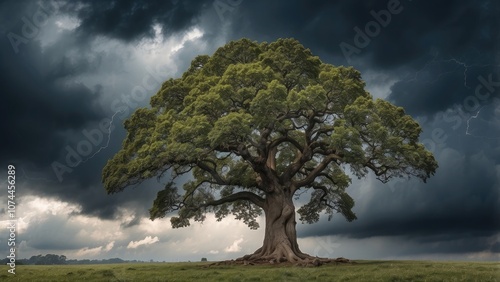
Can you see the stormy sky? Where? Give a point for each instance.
(72, 71)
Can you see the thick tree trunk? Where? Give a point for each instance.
(280, 239)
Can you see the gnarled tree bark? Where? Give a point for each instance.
(280, 239)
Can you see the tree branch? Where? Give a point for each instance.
(317, 170)
(219, 180)
(244, 195)
(284, 139)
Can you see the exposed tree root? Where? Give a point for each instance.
(315, 262)
(282, 256)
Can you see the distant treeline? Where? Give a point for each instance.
(51, 259)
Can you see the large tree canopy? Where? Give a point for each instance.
(255, 123)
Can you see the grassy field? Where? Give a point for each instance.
(360, 271)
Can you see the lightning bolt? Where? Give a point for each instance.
(107, 142)
(434, 60)
(468, 121)
(476, 136)
(417, 73)
(466, 67)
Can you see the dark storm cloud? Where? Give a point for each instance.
(134, 19)
(443, 84)
(463, 58)
(459, 36)
(420, 32)
(45, 108)
(447, 244)
(40, 103)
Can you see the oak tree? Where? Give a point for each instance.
(255, 125)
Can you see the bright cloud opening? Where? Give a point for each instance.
(91, 252)
(235, 247)
(146, 241)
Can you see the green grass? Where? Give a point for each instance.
(361, 271)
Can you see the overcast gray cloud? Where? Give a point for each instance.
(69, 68)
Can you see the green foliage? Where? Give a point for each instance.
(232, 128)
(259, 118)
(166, 201)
